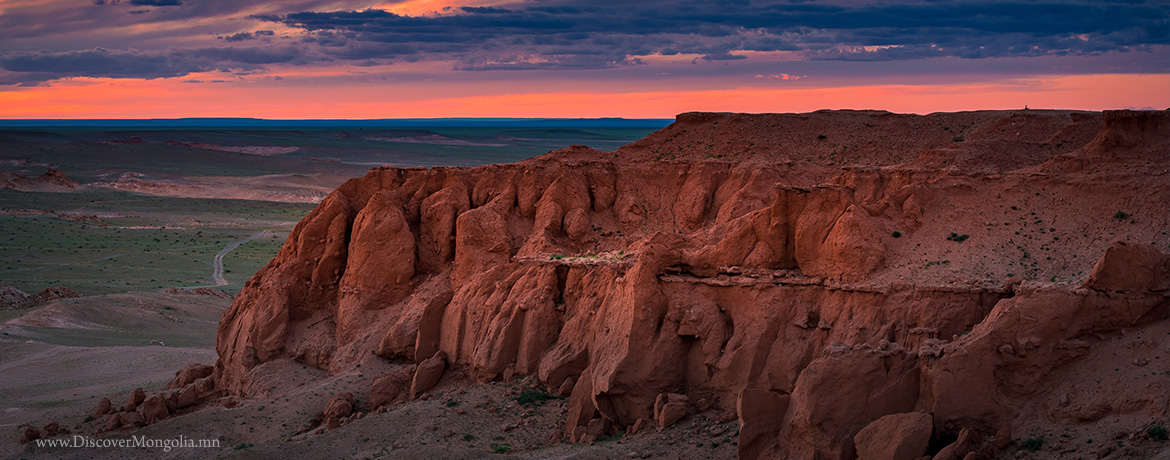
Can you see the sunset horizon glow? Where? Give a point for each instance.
(308, 59)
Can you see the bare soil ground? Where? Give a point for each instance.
(59, 359)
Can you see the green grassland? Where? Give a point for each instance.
(138, 242)
(37, 251)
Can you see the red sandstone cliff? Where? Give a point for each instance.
(807, 273)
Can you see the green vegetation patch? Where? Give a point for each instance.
(534, 397)
(957, 237)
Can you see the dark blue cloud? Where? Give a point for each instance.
(104, 63)
(140, 2)
(576, 34)
(717, 29)
(244, 36)
(156, 2)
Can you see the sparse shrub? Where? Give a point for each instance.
(1033, 444)
(556, 257)
(896, 234)
(501, 448)
(1157, 433)
(957, 237)
(822, 137)
(958, 138)
(1121, 215)
(534, 397)
(468, 437)
(452, 403)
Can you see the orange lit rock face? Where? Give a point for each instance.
(765, 277)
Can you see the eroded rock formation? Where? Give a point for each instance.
(809, 274)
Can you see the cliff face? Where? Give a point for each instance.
(807, 274)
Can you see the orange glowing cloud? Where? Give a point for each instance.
(430, 7)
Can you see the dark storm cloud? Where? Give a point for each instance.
(716, 30)
(30, 67)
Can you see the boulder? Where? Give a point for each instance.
(581, 408)
(638, 427)
(113, 422)
(566, 387)
(669, 408)
(428, 373)
(895, 437)
(385, 389)
(204, 387)
(187, 397)
(154, 408)
(136, 398)
(761, 414)
(339, 407)
(598, 427)
(189, 374)
(30, 434)
(1003, 437)
(133, 419)
(104, 407)
(1130, 267)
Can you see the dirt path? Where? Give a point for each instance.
(217, 262)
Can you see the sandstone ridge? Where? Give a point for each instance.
(808, 274)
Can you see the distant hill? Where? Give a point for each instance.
(387, 122)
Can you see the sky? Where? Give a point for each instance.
(298, 59)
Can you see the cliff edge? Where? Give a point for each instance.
(811, 275)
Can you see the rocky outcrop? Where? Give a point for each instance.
(51, 181)
(12, 298)
(813, 302)
(52, 293)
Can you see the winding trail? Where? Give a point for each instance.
(217, 262)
